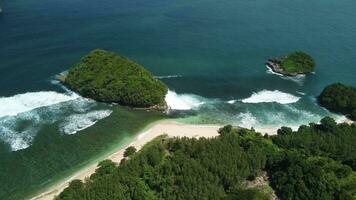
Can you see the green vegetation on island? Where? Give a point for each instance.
(339, 98)
(293, 64)
(316, 162)
(108, 77)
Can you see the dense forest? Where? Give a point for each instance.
(339, 98)
(109, 77)
(298, 62)
(316, 162)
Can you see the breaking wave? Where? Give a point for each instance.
(246, 120)
(23, 116)
(231, 101)
(270, 71)
(183, 101)
(78, 122)
(267, 96)
(299, 79)
(20, 103)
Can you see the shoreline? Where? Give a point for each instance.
(169, 127)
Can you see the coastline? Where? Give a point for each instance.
(169, 127)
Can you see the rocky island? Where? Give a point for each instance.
(108, 77)
(293, 64)
(339, 98)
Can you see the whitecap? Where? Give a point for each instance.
(231, 101)
(267, 96)
(168, 76)
(301, 93)
(22, 116)
(246, 120)
(18, 140)
(183, 101)
(20, 103)
(78, 122)
(19, 137)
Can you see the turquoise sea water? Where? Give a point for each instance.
(210, 53)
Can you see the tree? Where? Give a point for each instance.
(129, 151)
(284, 130)
(339, 98)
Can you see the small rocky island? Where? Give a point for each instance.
(339, 98)
(108, 77)
(293, 64)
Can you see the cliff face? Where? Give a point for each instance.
(275, 65)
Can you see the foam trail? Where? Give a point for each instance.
(78, 122)
(20, 103)
(267, 96)
(182, 101)
(168, 76)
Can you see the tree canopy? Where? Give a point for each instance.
(316, 162)
(109, 77)
(298, 62)
(339, 98)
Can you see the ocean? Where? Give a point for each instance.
(210, 53)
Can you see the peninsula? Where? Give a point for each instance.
(293, 64)
(108, 77)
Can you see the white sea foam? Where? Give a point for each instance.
(16, 140)
(22, 116)
(20, 103)
(78, 122)
(231, 101)
(19, 137)
(301, 93)
(168, 76)
(246, 120)
(268, 96)
(183, 101)
(270, 71)
(299, 79)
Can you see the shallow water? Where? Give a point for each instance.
(210, 53)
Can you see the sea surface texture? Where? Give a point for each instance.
(211, 54)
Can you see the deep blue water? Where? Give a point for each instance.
(215, 49)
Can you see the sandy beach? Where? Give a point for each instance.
(171, 128)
